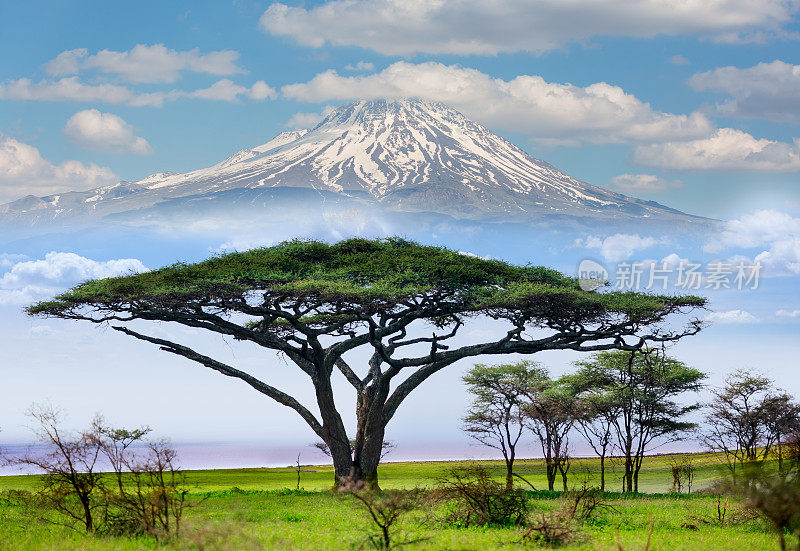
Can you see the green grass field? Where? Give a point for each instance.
(260, 509)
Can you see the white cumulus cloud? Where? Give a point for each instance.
(23, 171)
(65, 89)
(642, 183)
(308, 120)
(261, 90)
(726, 149)
(546, 111)
(227, 90)
(31, 280)
(9, 259)
(766, 91)
(619, 246)
(788, 313)
(679, 60)
(489, 27)
(145, 63)
(776, 233)
(104, 132)
(732, 316)
(72, 89)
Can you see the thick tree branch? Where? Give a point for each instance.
(272, 392)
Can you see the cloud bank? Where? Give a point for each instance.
(490, 27)
(145, 64)
(23, 171)
(768, 91)
(619, 246)
(776, 233)
(725, 150)
(546, 111)
(732, 316)
(31, 280)
(72, 89)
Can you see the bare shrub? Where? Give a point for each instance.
(72, 484)
(386, 511)
(143, 494)
(477, 499)
(554, 529)
(585, 503)
(151, 497)
(563, 525)
(682, 469)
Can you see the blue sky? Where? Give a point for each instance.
(692, 104)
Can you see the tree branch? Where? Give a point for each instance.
(272, 392)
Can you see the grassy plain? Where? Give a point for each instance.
(262, 509)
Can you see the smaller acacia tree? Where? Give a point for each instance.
(115, 443)
(645, 386)
(550, 414)
(496, 417)
(748, 417)
(783, 421)
(737, 423)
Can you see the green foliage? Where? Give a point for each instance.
(644, 383)
(364, 272)
(508, 379)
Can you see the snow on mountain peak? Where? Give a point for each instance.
(405, 154)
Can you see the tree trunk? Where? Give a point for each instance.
(510, 470)
(551, 476)
(628, 477)
(87, 512)
(603, 473)
(357, 467)
(366, 459)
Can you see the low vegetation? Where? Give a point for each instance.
(260, 509)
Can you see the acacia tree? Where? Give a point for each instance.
(405, 303)
(747, 417)
(496, 418)
(549, 411)
(644, 384)
(783, 420)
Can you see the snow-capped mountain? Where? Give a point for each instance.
(403, 155)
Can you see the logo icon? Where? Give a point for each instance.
(591, 275)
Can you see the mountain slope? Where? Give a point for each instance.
(405, 155)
